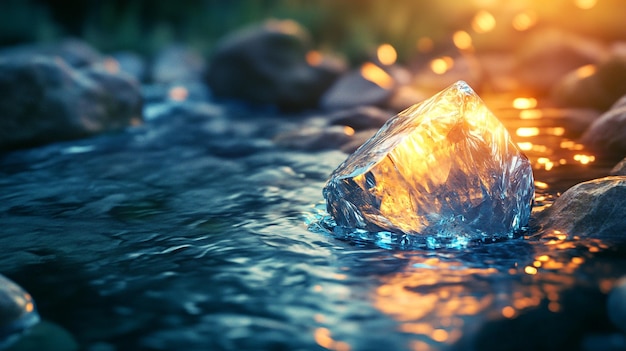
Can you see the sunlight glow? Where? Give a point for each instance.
(508, 312)
(527, 131)
(347, 130)
(483, 22)
(386, 54)
(530, 270)
(542, 186)
(586, 71)
(525, 146)
(442, 65)
(584, 159)
(524, 21)
(323, 338)
(522, 103)
(530, 114)
(585, 4)
(545, 163)
(462, 40)
(376, 75)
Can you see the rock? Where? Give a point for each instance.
(549, 54)
(353, 90)
(358, 139)
(593, 86)
(619, 169)
(616, 305)
(46, 336)
(74, 52)
(315, 138)
(45, 100)
(590, 209)
(267, 64)
(177, 64)
(17, 312)
(606, 135)
(359, 118)
(442, 173)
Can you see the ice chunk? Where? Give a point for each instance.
(443, 168)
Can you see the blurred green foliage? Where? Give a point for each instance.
(352, 27)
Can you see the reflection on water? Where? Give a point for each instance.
(441, 296)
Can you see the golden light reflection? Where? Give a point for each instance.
(571, 145)
(376, 75)
(527, 131)
(483, 22)
(545, 163)
(557, 131)
(541, 185)
(314, 58)
(523, 103)
(324, 339)
(462, 40)
(347, 130)
(508, 312)
(585, 4)
(531, 114)
(586, 71)
(524, 20)
(584, 159)
(530, 270)
(525, 146)
(386, 54)
(442, 64)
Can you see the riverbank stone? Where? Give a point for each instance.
(605, 136)
(590, 209)
(45, 100)
(596, 86)
(267, 64)
(74, 52)
(616, 305)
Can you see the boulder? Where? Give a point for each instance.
(606, 136)
(616, 305)
(593, 86)
(353, 90)
(619, 169)
(268, 64)
(74, 52)
(590, 209)
(359, 118)
(549, 54)
(45, 100)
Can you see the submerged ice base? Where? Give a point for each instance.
(444, 168)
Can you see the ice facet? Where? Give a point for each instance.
(443, 168)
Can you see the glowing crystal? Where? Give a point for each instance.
(445, 170)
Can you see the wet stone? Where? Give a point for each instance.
(441, 173)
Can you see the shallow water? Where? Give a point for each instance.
(192, 233)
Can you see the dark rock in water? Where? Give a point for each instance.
(353, 90)
(616, 305)
(176, 64)
(267, 64)
(550, 54)
(357, 140)
(76, 53)
(46, 336)
(315, 138)
(606, 135)
(590, 209)
(45, 100)
(593, 86)
(17, 312)
(360, 118)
